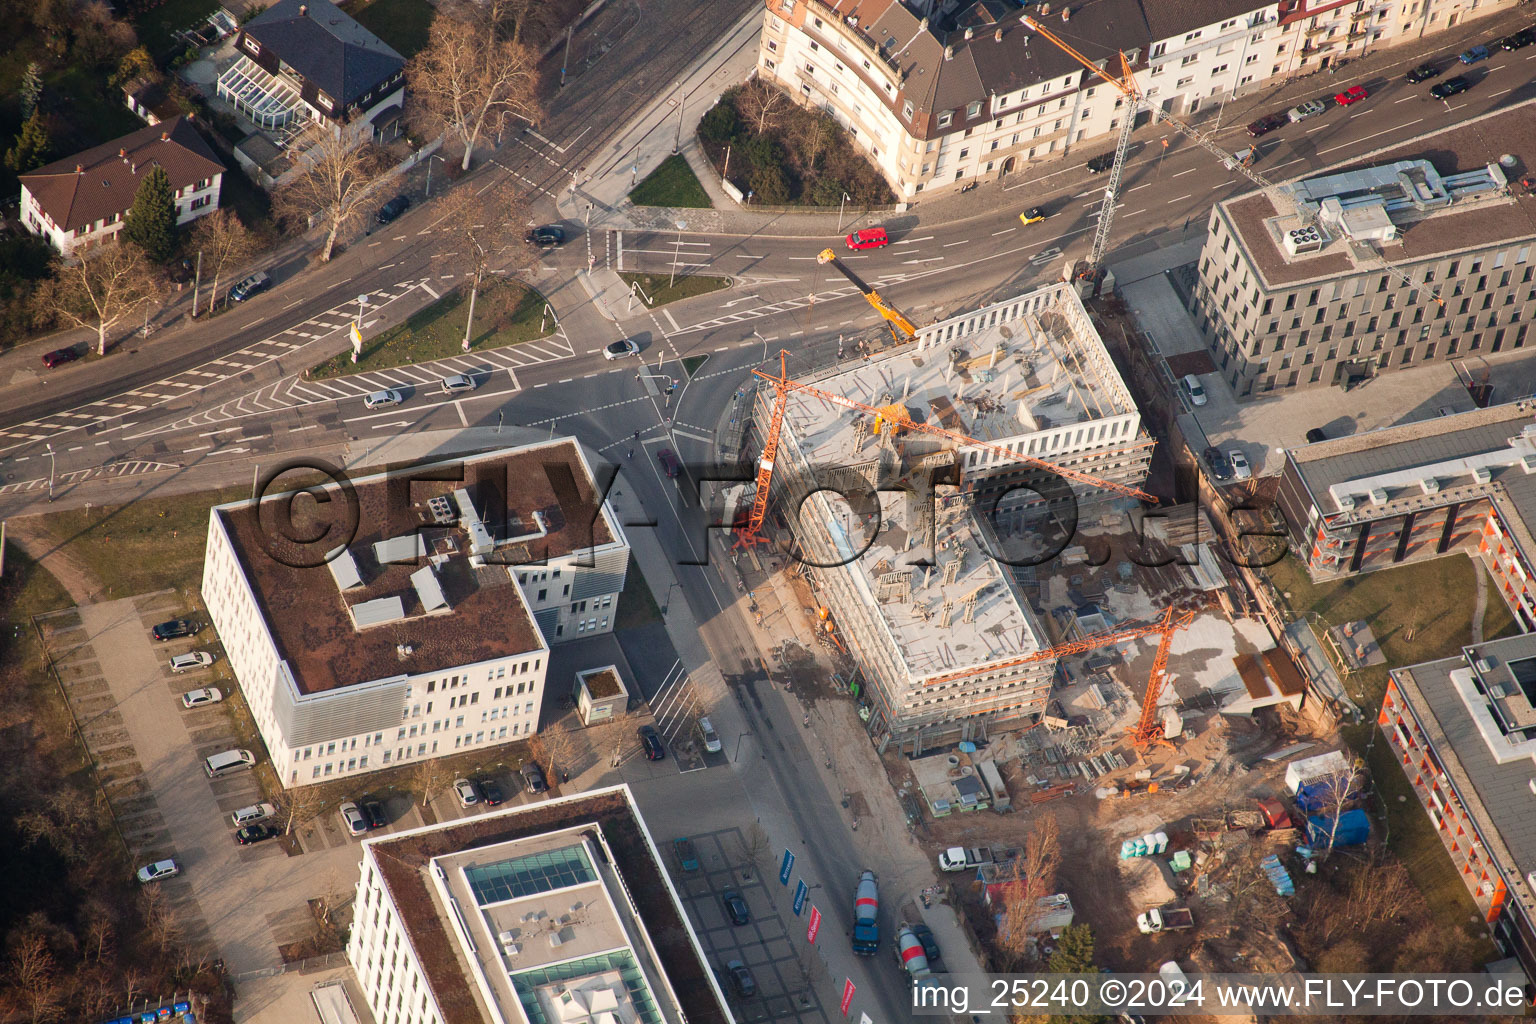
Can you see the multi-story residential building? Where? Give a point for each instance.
(83, 200)
(940, 95)
(302, 62)
(557, 913)
(1283, 305)
(1463, 730)
(1463, 484)
(425, 633)
(917, 577)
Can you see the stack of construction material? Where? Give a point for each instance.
(1278, 876)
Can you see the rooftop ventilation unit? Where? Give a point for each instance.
(441, 509)
(1430, 485)
(1528, 463)
(1378, 495)
(343, 569)
(1346, 502)
(408, 548)
(1498, 691)
(480, 542)
(1301, 240)
(1483, 666)
(377, 612)
(428, 589)
(1482, 474)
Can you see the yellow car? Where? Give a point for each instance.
(1033, 215)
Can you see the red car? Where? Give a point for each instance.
(59, 356)
(669, 462)
(1354, 94)
(869, 238)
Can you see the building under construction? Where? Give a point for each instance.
(908, 542)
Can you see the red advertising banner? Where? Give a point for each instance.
(814, 926)
(847, 995)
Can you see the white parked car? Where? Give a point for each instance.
(458, 382)
(158, 870)
(379, 399)
(1240, 468)
(466, 792)
(252, 814)
(620, 349)
(197, 698)
(187, 662)
(711, 738)
(356, 823)
(1192, 388)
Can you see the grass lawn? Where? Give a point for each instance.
(692, 363)
(26, 590)
(402, 24)
(659, 292)
(95, 112)
(671, 184)
(506, 313)
(156, 27)
(145, 546)
(637, 606)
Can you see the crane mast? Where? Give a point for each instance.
(902, 329)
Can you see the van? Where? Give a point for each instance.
(1192, 387)
(192, 660)
(227, 762)
(252, 814)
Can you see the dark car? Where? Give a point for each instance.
(669, 462)
(255, 834)
(59, 356)
(1221, 469)
(741, 977)
(1515, 41)
(248, 287)
(533, 778)
(1267, 124)
(924, 934)
(1101, 163)
(1315, 435)
(1423, 73)
(176, 629)
(549, 234)
(1450, 87)
(490, 792)
(373, 810)
(650, 742)
(735, 907)
(394, 208)
(1528, 35)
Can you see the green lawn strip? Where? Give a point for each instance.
(661, 290)
(403, 24)
(637, 606)
(506, 313)
(692, 363)
(671, 184)
(148, 545)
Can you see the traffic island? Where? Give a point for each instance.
(655, 290)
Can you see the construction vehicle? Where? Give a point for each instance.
(1165, 919)
(902, 329)
(866, 907)
(910, 953)
(1125, 83)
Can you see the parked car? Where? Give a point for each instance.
(1527, 36)
(457, 382)
(1267, 124)
(548, 235)
(249, 287)
(1422, 73)
(373, 810)
(1450, 87)
(1315, 435)
(177, 629)
(59, 356)
(868, 238)
(1101, 163)
(620, 349)
(1033, 215)
(741, 977)
(669, 462)
(1302, 111)
(650, 742)
(353, 818)
(466, 792)
(197, 698)
(1354, 94)
(735, 907)
(1194, 390)
(1221, 469)
(490, 789)
(252, 814)
(1474, 55)
(1240, 468)
(394, 208)
(533, 778)
(380, 399)
(924, 934)
(160, 869)
(711, 738)
(255, 834)
(192, 659)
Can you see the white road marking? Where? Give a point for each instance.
(1184, 172)
(200, 448)
(1384, 131)
(996, 233)
(1181, 198)
(668, 314)
(948, 245)
(1405, 99)
(930, 259)
(1135, 187)
(462, 418)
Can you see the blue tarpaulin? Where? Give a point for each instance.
(1353, 829)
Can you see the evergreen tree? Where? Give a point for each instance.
(1074, 955)
(31, 89)
(151, 223)
(32, 144)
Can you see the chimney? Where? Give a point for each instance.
(1066, 14)
(997, 36)
(922, 26)
(165, 136)
(949, 53)
(79, 168)
(122, 154)
(1045, 10)
(303, 10)
(969, 33)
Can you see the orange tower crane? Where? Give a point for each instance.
(770, 450)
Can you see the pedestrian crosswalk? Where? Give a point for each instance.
(134, 467)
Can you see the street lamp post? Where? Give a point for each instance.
(677, 247)
(50, 471)
(764, 340)
(677, 140)
(434, 156)
(840, 212)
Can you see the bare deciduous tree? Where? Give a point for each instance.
(1336, 790)
(764, 104)
(754, 848)
(481, 227)
(299, 805)
(159, 917)
(558, 743)
(429, 776)
(470, 81)
(1026, 881)
(336, 180)
(100, 290)
(224, 243)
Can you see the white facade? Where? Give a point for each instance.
(192, 201)
(386, 963)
